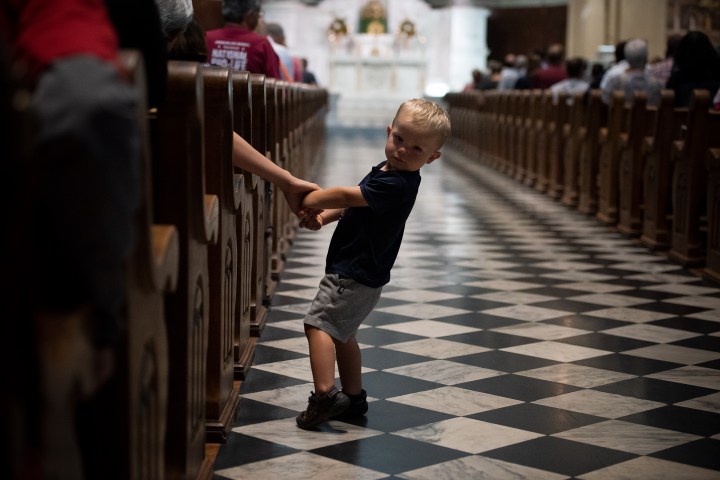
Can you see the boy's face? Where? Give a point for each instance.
(409, 146)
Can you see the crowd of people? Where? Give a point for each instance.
(691, 62)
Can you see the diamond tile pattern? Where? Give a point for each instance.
(516, 339)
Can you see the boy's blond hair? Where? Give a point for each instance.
(426, 113)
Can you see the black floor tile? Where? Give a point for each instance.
(681, 419)
(504, 361)
(619, 362)
(703, 453)
(560, 456)
(380, 358)
(603, 341)
(381, 453)
(240, 449)
(537, 418)
(655, 390)
(489, 339)
(386, 385)
(586, 322)
(518, 387)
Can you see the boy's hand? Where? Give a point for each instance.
(311, 222)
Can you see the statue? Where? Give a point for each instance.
(373, 19)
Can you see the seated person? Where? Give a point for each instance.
(634, 79)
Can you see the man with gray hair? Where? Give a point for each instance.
(237, 46)
(634, 79)
(175, 15)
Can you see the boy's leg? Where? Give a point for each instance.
(349, 361)
(322, 358)
(327, 401)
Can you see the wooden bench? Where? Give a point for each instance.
(542, 143)
(689, 189)
(245, 186)
(181, 199)
(535, 109)
(262, 212)
(222, 396)
(577, 116)
(712, 263)
(641, 125)
(523, 124)
(657, 151)
(556, 146)
(142, 380)
(609, 159)
(589, 153)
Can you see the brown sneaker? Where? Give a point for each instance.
(322, 407)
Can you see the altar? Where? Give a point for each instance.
(372, 55)
(373, 71)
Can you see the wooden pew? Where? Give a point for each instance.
(289, 121)
(142, 388)
(277, 144)
(262, 211)
(512, 121)
(657, 151)
(689, 202)
(534, 114)
(609, 144)
(542, 143)
(641, 124)
(245, 186)
(589, 154)
(571, 154)
(504, 116)
(20, 405)
(181, 199)
(222, 396)
(556, 146)
(484, 128)
(712, 264)
(522, 127)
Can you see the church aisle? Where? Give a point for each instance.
(516, 339)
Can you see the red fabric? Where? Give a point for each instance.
(42, 31)
(241, 49)
(547, 77)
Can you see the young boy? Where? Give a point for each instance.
(362, 251)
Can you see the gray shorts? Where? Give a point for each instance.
(341, 305)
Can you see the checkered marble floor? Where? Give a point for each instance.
(516, 339)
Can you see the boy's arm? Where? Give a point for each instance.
(335, 198)
(332, 202)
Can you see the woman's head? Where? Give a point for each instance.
(696, 59)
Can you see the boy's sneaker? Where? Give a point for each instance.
(358, 406)
(322, 408)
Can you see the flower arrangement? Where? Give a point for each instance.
(338, 28)
(407, 28)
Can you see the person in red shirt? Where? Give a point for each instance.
(72, 229)
(237, 46)
(544, 78)
(85, 156)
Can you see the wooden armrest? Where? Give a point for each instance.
(212, 218)
(648, 144)
(712, 159)
(623, 140)
(166, 256)
(678, 147)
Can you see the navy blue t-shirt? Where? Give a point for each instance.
(367, 240)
